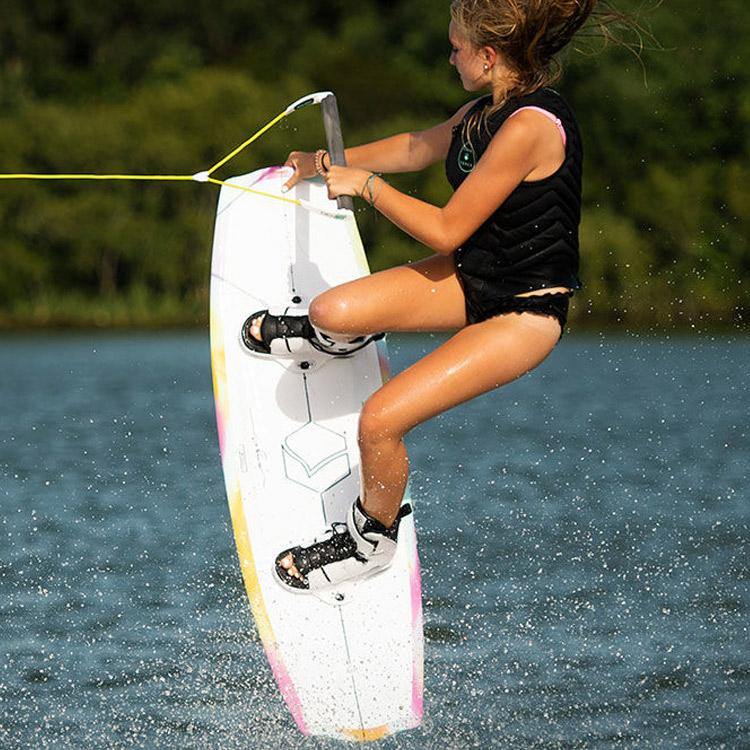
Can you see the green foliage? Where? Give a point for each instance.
(154, 86)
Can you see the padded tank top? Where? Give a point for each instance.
(531, 241)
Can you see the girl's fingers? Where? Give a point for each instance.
(295, 178)
(296, 160)
(328, 177)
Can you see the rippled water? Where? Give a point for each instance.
(584, 539)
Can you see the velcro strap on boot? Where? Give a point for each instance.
(370, 535)
(287, 334)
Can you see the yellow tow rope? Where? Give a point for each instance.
(203, 176)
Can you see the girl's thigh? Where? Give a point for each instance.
(422, 296)
(477, 359)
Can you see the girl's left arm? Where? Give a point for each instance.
(512, 155)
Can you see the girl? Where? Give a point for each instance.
(505, 262)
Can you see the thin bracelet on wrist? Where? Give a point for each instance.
(372, 199)
(380, 188)
(366, 187)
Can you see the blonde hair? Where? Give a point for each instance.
(529, 35)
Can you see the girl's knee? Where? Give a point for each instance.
(377, 423)
(330, 311)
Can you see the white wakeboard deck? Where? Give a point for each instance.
(348, 663)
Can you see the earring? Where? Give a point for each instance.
(486, 67)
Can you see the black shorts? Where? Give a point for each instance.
(555, 304)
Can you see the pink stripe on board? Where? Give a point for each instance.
(549, 116)
(220, 431)
(287, 688)
(417, 684)
(266, 173)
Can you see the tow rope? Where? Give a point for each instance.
(205, 176)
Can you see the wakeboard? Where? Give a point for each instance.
(348, 662)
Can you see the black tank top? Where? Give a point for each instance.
(531, 241)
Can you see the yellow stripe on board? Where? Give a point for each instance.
(366, 735)
(234, 494)
(247, 565)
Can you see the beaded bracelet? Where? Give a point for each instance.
(320, 154)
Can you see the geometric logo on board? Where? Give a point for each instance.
(315, 457)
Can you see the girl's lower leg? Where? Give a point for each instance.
(385, 470)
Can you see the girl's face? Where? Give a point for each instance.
(467, 60)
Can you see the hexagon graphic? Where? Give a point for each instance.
(315, 457)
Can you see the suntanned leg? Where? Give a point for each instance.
(477, 359)
(421, 296)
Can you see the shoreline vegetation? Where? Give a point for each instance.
(139, 310)
(157, 88)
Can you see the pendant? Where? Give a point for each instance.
(466, 158)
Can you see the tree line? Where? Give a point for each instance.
(154, 86)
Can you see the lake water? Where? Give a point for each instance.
(583, 531)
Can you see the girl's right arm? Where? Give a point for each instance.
(406, 152)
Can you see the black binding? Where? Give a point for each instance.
(338, 546)
(293, 326)
(274, 327)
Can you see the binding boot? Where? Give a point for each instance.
(282, 335)
(358, 548)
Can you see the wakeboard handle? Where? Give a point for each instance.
(335, 140)
(307, 100)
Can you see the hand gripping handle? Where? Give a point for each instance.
(335, 140)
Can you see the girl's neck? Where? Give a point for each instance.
(501, 90)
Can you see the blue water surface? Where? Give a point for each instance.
(583, 532)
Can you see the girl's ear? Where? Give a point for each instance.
(489, 56)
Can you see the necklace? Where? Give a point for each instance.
(467, 157)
